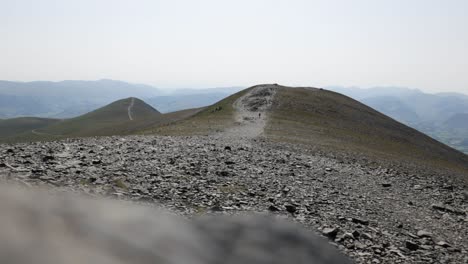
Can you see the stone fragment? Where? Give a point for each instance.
(348, 235)
(216, 208)
(356, 234)
(273, 208)
(443, 244)
(330, 232)
(223, 173)
(290, 208)
(446, 208)
(360, 221)
(424, 233)
(48, 158)
(359, 245)
(411, 245)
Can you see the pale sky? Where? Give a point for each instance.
(205, 43)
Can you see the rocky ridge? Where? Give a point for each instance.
(374, 215)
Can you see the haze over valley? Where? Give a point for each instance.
(247, 131)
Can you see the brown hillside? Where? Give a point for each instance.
(327, 119)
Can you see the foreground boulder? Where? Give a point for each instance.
(36, 227)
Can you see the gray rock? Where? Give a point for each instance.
(443, 244)
(330, 231)
(273, 208)
(411, 245)
(446, 208)
(424, 233)
(290, 208)
(360, 221)
(44, 229)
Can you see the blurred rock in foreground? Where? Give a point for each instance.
(36, 227)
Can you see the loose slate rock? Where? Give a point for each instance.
(290, 208)
(273, 208)
(448, 209)
(48, 158)
(180, 173)
(330, 232)
(360, 221)
(424, 233)
(411, 245)
(443, 244)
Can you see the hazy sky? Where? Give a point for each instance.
(413, 43)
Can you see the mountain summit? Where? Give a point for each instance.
(320, 119)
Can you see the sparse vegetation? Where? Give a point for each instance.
(15, 126)
(214, 118)
(331, 121)
(112, 119)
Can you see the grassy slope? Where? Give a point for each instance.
(208, 120)
(109, 120)
(334, 121)
(14, 126)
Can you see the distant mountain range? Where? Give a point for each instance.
(67, 99)
(443, 116)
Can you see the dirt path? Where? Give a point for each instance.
(251, 113)
(129, 109)
(34, 131)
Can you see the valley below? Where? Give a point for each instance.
(372, 210)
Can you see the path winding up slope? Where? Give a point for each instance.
(129, 109)
(251, 113)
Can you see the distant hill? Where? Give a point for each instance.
(123, 116)
(428, 113)
(127, 116)
(392, 107)
(170, 103)
(428, 107)
(190, 98)
(77, 89)
(457, 121)
(66, 98)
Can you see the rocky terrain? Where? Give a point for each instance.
(374, 214)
